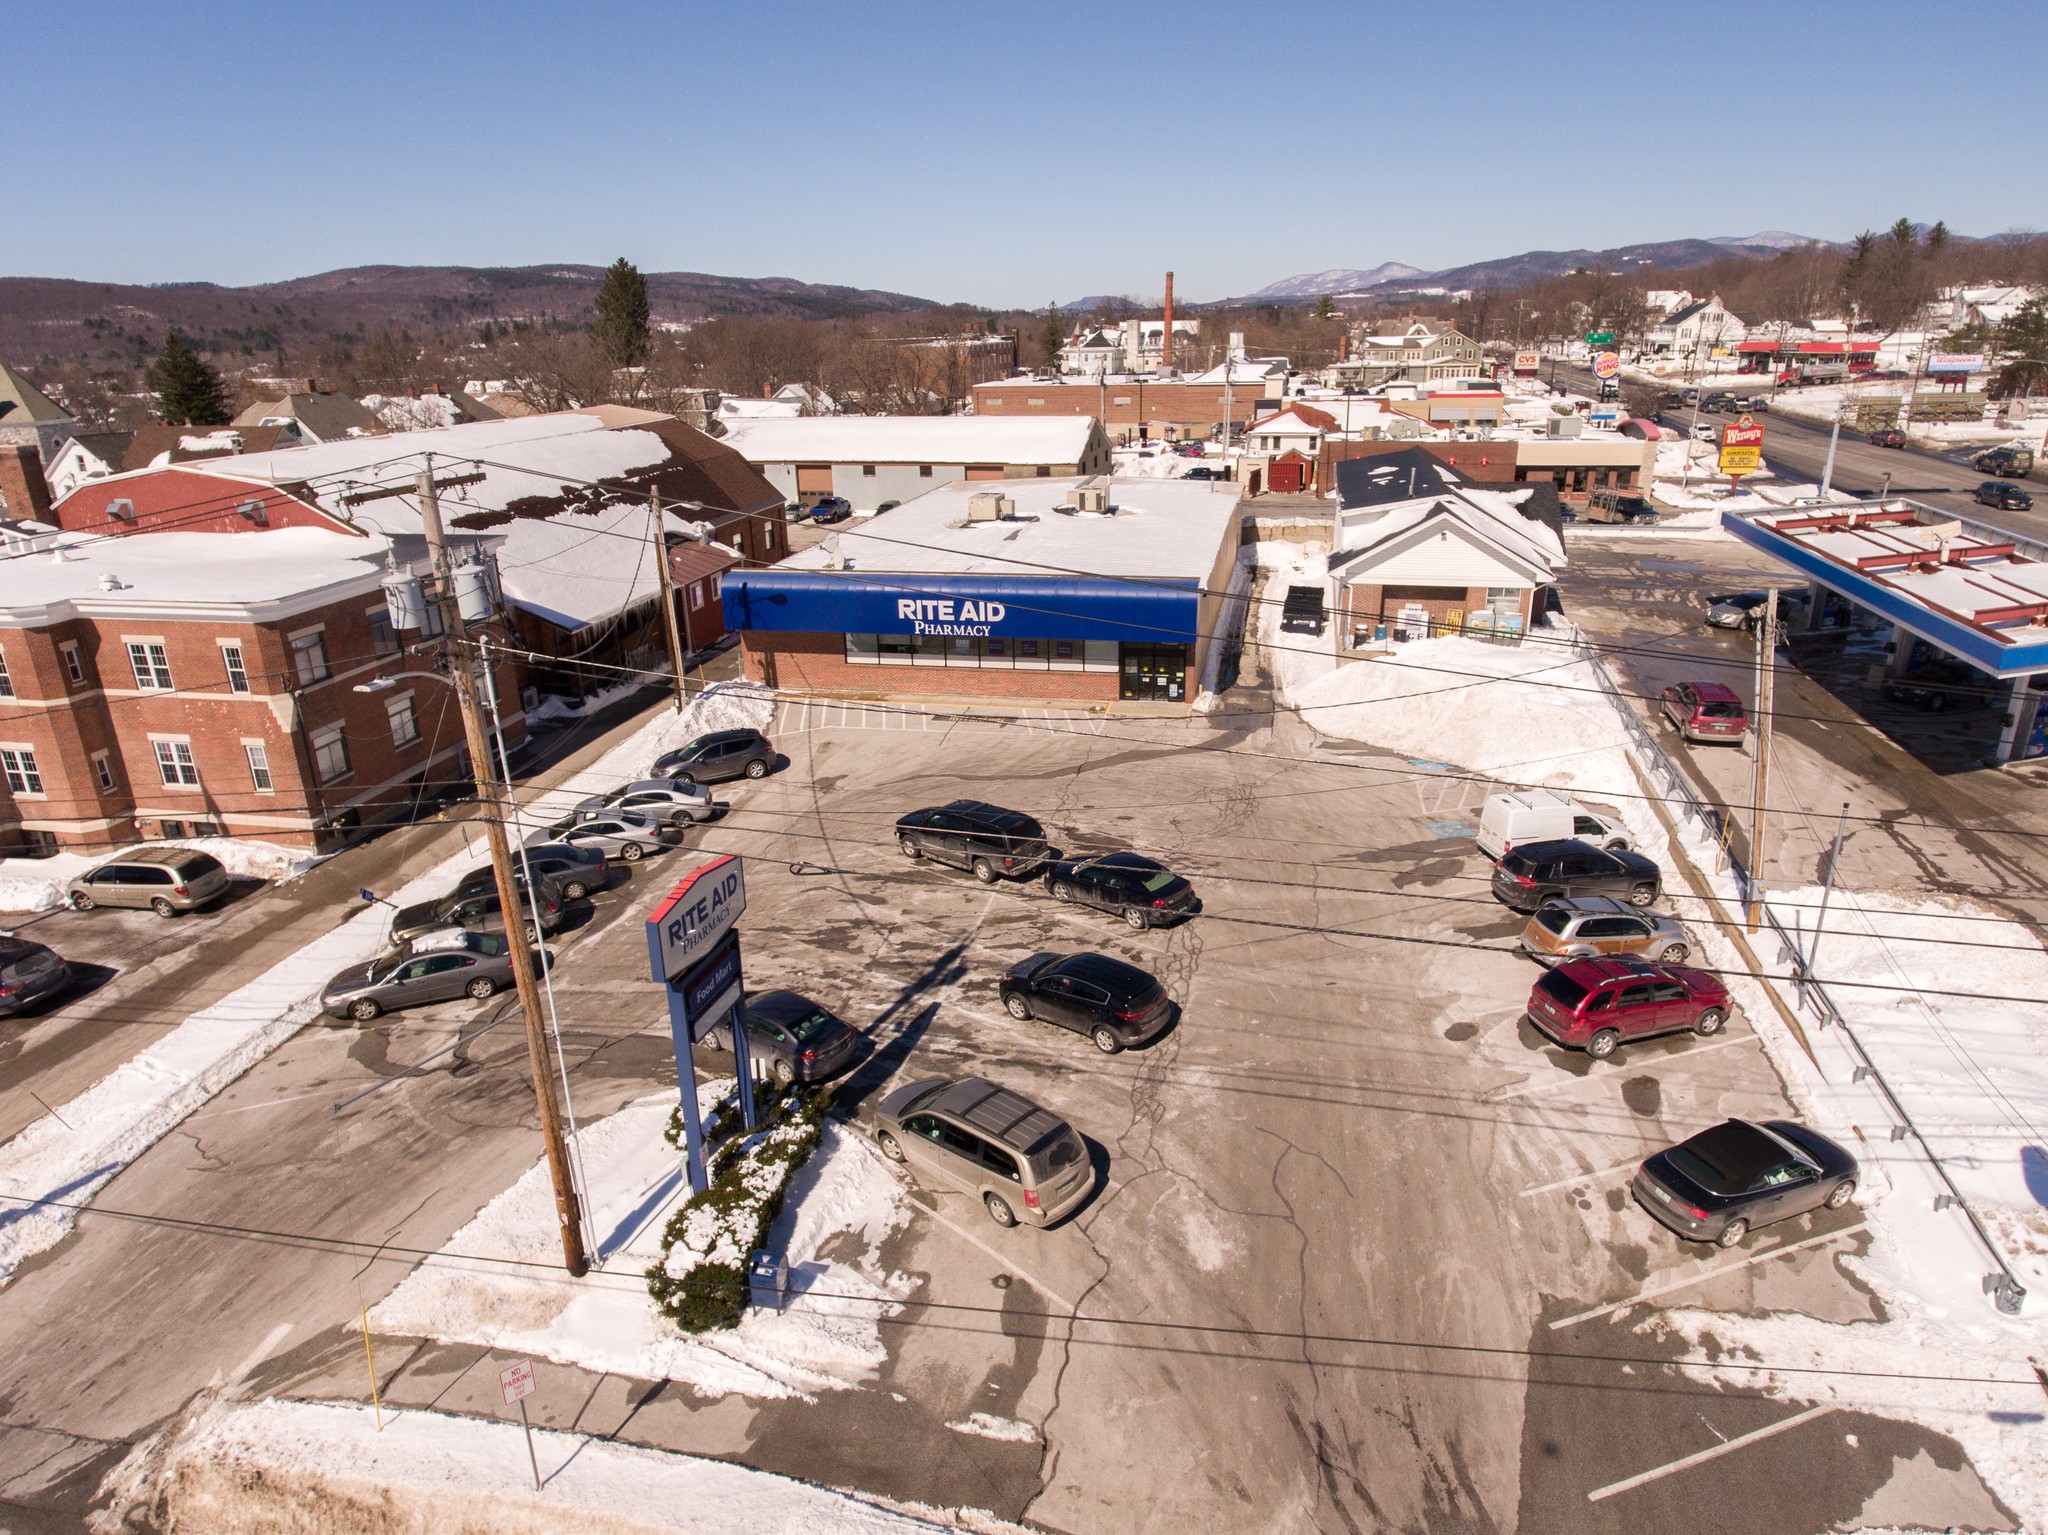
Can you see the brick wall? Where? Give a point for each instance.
(184, 501)
(1192, 407)
(1487, 462)
(817, 663)
(1367, 604)
(24, 494)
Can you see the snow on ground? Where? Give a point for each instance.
(986, 1425)
(826, 1337)
(37, 884)
(552, 710)
(310, 1465)
(67, 1156)
(1823, 404)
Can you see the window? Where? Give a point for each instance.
(152, 666)
(103, 770)
(309, 654)
(868, 470)
(404, 728)
(259, 765)
(924, 471)
(172, 828)
(175, 766)
(383, 638)
(330, 754)
(696, 595)
(20, 765)
(74, 666)
(717, 587)
(6, 682)
(238, 671)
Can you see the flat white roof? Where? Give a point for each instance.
(912, 440)
(1162, 528)
(197, 571)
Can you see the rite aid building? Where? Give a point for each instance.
(1085, 589)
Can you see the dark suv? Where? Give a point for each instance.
(968, 834)
(721, 755)
(1114, 1004)
(1143, 891)
(1536, 872)
(1595, 1005)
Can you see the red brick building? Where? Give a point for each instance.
(1164, 410)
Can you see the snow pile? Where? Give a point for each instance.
(314, 1466)
(37, 884)
(496, 1282)
(552, 710)
(986, 1425)
(71, 1154)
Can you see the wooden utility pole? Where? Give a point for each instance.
(496, 814)
(1760, 768)
(668, 596)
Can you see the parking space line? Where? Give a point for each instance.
(1535, 1085)
(1585, 1177)
(1714, 1452)
(1702, 1276)
(1009, 1264)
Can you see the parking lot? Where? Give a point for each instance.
(1360, 1255)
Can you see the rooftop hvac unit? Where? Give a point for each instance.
(1091, 498)
(1566, 426)
(989, 506)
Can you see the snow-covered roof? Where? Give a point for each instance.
(1162, 528)
(548, 451)
(1291, 423)
(912, 440)
(1492, 516)
(1263, 370)
(186, 574)
(579, 568)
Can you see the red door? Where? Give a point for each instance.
(1286, 478)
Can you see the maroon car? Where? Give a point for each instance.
(1595, 1005)
(1888, 437)
(1706, 711)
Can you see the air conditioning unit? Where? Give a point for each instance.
(1091, 498)
(1566, 426)
(986, 506)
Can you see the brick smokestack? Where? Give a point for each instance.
(24, 495)
(1166, 340)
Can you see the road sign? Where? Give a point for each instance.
(1742, 447)
(1607, 364)
(515, 1382)
(697, 913)
(1599, 338)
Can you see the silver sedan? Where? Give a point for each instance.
(436, 968)
(625, 835)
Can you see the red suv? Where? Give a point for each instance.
(1595, 1004)
(1706, 711)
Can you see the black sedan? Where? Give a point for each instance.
(1115, 1004)
(796, 1039)
(1726, 1181)
(1143, 891)
(30, 972)
(2004, 495)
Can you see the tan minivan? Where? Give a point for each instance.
(1023, 1162)
(167, 880)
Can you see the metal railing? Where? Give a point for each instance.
(2003, 1285)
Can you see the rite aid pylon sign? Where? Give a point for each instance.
(1742, 447)
(698, 912)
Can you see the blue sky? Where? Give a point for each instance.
(999, 154)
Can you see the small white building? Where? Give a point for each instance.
(88, 456)
(872, 461)
(1990, 305)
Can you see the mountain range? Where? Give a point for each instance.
(49, 319)
(1392, 278)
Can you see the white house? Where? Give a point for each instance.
(1130, 346)
(1667, 301)
(1699, 328)
(1992, 305)
(89, 456)
(1299, 428)
(1416, 551)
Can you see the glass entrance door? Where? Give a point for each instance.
(1153, 672)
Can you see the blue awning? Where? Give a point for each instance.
(875, 602)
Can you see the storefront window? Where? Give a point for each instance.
(965, 651)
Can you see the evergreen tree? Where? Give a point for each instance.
(189, 391)
(1325, 310)
(2022, 342)
(622, 327)
(1053, 335)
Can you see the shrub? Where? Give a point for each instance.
(701, 1281)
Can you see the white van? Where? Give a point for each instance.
(1542, 815)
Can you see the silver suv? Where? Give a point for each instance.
(1023, 1162)
(167, 880)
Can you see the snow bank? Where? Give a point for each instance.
(70, 1155)
(37, 884)
(608, 1321)
(307, 1467)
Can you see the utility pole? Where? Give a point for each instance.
(668, 595)
(496, 812)
(1760, 769)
